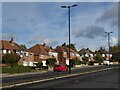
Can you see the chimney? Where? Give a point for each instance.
(43, 44)
(12, 41)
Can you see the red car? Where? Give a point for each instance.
(60, 68)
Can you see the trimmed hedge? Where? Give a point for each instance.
(16, 69)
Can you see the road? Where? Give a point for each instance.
(32, 77)
(103, 79)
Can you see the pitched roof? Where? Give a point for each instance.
(38, 49)
(20, 47)
(62, 49)
(7, 45)
(101, 51)
(85, 51)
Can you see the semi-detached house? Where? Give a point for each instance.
(26, 58)
(42, 53)
(63, 54)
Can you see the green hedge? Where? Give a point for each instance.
(16, 69)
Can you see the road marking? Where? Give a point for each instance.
(59, 77)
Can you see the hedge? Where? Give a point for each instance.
(16, 69)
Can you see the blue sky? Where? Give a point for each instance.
(33, 23)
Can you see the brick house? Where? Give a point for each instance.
(53, 54)
(12, 47)
(63, 54)
(40, 53)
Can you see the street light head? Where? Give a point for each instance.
(108, 32)
(74, 5)
(63, 6)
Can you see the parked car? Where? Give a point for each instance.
(106, 62)
(60, 68)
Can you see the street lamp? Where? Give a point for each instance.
(108, 33)
(69, 31)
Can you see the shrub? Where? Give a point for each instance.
(51, 62)
(11, 59)
(98, 58)
(85, 60)
(16, 69)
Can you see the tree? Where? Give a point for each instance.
(72, 46)
(24, 47)
(64, 44)
(85, 60)
(11, 59)
(51, 62)
(115, 50)
(98, 58)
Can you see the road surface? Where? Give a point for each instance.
(102, 79)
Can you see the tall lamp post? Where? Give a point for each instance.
(108, 33)
(69, 31)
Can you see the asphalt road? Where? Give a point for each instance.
(32, 77)
(102, 79)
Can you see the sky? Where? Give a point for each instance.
(33, 23)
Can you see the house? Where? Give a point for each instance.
(53, 54)
(63, 54)
(12, 47)
(40, 53)
(88, 53)
(103, 52)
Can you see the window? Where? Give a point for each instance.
(26, 54)
(72, 54)
(4, 51)
(44, 63)
(9, 51)
(31, 54)
(25, 63)
(65, 53)
(42, 56)
(50, 53)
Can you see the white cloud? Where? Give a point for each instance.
(114, 41)
(50, 42)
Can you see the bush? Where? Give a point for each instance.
(11, 59)
(98, 58)
(51, 62)
(85, 60)
(16, 69)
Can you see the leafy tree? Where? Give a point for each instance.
(24, 47)
(115, 50)
(64, 44)
(51, 62)
(98, 58)
(72, 46)
(85, 60)
(11, 59)
(75, 61)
